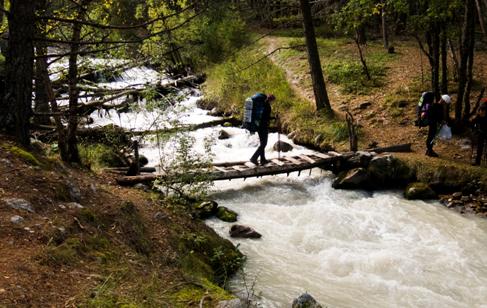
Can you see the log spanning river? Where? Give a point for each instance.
(346, 248)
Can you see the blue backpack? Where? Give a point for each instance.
(253, 111)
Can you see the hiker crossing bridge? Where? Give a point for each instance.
(243, 170)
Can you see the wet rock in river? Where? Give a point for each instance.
(222, 135)
(419, 191)
(226, 214)
(305, 301)
(282, 146)
(205, 209)
(352, 179)
(244, 232)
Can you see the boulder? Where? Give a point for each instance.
(222, 135)
(74, 192)
(419, 191)
(352, 179)
(359, 159)
(231, 303)
(16, 219)
(282, 146)
(226, 214)
(305, 301)
(205, 209)
(244, 232)
(447, 179)
(19, 204)
(386, 171)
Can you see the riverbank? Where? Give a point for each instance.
(383, 110)
(72, 237)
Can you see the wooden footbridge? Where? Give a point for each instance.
(243, 170)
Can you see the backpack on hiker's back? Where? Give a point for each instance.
(253, 111)
(423, 109)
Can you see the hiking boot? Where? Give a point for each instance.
(254, 161)
(263, 162)
(431, 153)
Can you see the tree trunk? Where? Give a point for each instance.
(362, 59)
(385, 34)
(319, 87)
(480, 16)
(468, 87)
(73, 154)
(433, 39)
(16, 108)
(41, 101)
(467, 32)
(444, 63)
(61, 132)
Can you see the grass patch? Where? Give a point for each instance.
(349, 74)
(99, 156)
(229, 83)
(24, 155)
(74, 249)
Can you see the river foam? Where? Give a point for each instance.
(355, 249)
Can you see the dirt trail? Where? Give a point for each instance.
(379, 122)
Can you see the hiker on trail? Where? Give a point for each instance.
(436, 115)
(262, 125)
(480, 129)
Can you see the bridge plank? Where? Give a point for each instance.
(321, 155)
(250, 164)
(278, 162)
(292, 160)
(220, 169)
(307, 158)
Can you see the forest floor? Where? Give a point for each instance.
(76, 238)
(384, 108)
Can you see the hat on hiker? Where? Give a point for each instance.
(270, 97)
(446, 98)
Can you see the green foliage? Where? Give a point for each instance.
(229, 84)
(74, 249)
(349, 75)
(23, 155)
(99, 156)
(185, 170)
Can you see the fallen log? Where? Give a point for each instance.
(135, 179)
(404, 148)
(123, 170)
(232, 120)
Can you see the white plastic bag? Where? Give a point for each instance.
(445, 132)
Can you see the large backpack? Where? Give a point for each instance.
(253, 111)
(423, 109)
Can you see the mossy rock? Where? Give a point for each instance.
(419, 191)
(225, 214)
(23, 155)
(205, 209)
(386, 171)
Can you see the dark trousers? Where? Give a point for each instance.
(480, 148)
(432, 129)
(261, 149)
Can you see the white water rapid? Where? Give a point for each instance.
(346, 248)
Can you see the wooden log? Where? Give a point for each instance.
(393, 148)
(132, 180)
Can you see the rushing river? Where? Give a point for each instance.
(346, 248)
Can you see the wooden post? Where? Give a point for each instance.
(135, 145)
(352, 134)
